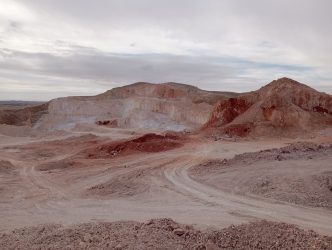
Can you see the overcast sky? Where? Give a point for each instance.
(52, 48)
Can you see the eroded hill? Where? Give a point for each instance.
(282, 107)
(168, 106)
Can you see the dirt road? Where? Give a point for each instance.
(140, 187)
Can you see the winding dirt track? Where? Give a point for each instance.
(167, 191)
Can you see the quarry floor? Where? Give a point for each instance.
(137, 187)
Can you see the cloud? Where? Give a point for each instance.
(87, 69)
(81, 45)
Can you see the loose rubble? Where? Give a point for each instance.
(163, 234)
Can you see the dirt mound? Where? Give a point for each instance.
(299, 173)
(163, 234)
(150, 143)
(282, 107)
(268, 235)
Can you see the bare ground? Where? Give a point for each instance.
(53, 182)
(163, 234)
(300, 173)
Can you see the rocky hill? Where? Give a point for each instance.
(167, 106)
(282, 107)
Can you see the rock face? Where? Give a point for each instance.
(168, 106)
(281, 107)
(23, 117)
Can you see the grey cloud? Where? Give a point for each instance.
(88, 64)
(93, 65)
(194, 14)
(275, 38)
(296, 25)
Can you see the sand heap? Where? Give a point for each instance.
(168, 106)
(282, 107)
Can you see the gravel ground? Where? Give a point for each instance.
(163, 234)
(300, 173)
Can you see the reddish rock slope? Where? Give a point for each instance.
(281, 107)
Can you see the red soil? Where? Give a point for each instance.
(150, 143)
(286, 104)
(226, 111)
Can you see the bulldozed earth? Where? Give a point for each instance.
(164, 234)
(72, 178)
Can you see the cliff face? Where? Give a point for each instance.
(167, 106)
(281, 107)
(24, 116)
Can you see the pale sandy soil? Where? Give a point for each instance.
(137, 186)
(108, 161)
(300, 173)
(49, 179)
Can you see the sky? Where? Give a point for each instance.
(59, 48)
